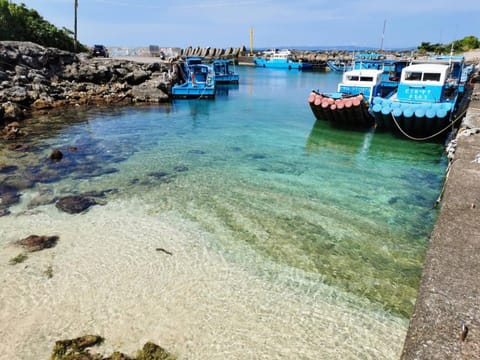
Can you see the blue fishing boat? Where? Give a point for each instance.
(428, 100)
(350, 104)
(198, 80)
(281, 59)
(360, 61)
(225, 72)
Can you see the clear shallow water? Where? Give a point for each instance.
(297, 227)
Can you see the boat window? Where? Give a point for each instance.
(413, 76)
(353, 78)
(366, 78)
(431, 77)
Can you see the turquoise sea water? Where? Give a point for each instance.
(348, 209)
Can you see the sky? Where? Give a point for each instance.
(275, 23)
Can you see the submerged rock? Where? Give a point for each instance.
(56, 155)
(76, 349)
(37, 243)
(152, 351)
(75, 204)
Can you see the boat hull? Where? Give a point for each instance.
(349, 111)
(418, 121)
(189, 91)
(281, 64)
(227, 79)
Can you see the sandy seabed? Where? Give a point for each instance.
(109, 279)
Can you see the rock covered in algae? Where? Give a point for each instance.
(76, 349)
(152, 351)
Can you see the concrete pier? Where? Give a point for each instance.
(449, 293)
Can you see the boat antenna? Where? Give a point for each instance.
(383, 34)
(451, 55)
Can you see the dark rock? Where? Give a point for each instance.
(8, 196)
(158, 174)
(196, 152)
(12, 111)
(100, 193)
(18, 147)
(19, 182)
(181, 168)
(43, 176)
(75, 204)
(7, 169)
(12, 131)
(37, 243)
(4, 212)
(56, 155)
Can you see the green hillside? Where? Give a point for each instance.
(19, 23)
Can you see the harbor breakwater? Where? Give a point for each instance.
(446, 320)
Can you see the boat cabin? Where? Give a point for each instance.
(425, 83)
(365, 81)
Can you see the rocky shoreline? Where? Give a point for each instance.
(38, 79)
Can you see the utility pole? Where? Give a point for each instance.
(75, 28)
(251, 41)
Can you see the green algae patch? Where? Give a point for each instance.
(18, 259)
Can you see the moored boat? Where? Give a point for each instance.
(428, 102)
(225, 72)
(350, 104)
(281, 59)
(198, 80)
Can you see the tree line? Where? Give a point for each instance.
(458, 46)
(19, 23)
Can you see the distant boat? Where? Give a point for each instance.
(281, 59)
(199, 80)
(224, 74)
(360, 61)
(339, 65)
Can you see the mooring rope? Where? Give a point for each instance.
(430, 136)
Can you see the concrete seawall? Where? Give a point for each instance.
(449, 293)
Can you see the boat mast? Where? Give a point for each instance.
(383, 34)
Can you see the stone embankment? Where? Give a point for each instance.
(34, 78)
(446, 319)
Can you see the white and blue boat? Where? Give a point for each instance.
(427, 101)
(225, 71)
(198, 80)
(281, 59)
